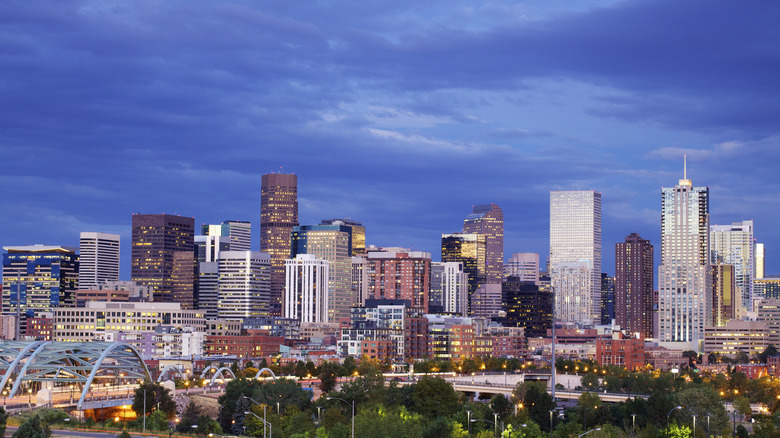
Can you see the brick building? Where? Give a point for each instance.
(621, 350)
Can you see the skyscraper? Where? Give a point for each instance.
(357, 234)
(733, 244)
(725, 294)
(278, 216)
(469, 249)
(449, 288)
(243, 284)
(527, 306)
(400, 274)
(331, 243)
(156, 237)
(575, 255)
(488, 220)
(634, 285)
(306, 289)
(237, 234)
(524, 265)
(684, 295)
(607, 298)
(759, 261)
(98, 259)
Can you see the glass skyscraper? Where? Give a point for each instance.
(575, 255)
(733, 244)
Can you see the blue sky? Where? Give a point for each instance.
(400, 114)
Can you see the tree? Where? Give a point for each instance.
(157, 421)
(157, 397)
(190, 415)
(328, 375)
(535, 400)
(527, 430)
(434, 396)
(590, 382)
(3, 421)
(587, 405)
(124, 434)
(742, 405)
(703, 401)
(769, 351)
(502, 406)
(32, 429)
(676, 431)
(207, 425)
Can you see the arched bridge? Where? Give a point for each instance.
(77, 366)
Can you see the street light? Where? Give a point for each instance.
(265, 423)
(708, 425)
(264, 412)
(551, 421)
(592, 430)
(633, 424)
(495, 428)
(667, 418)
(694, 426)
(353, 411)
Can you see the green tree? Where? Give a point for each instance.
(157, 397)
(437, 428)
(190, 415)
(434, 396)
(526, 430)
(157, 421)
(703, 401)
(124, 434)
(502, 406)
(328, 373)
(590, 382)
(3, 421)
(378, 421)
(677, 431)
(769, 351)
(587, 406)
(207, 425)
(742, 405)
(32, 429)
(535, 400)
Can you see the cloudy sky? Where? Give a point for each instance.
(398, 114)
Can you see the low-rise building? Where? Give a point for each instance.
(251, 344)
(750, 337)
(621, 350)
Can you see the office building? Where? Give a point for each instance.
(98, 259)
(278, 216)
(527, 306)
(607, 298)
(733, 244)
(488, 220)
(486, 301)
(306, 289)
(469, 250)
(184, 277)
(243, 285)
(357, 234)
(684, 290)
(156, 237)
(359, 289)
(400, 274)
(750, 337)
(575, 255)
(634, 285)
(767, 287)
(208, 289)
(524, 265)
(726, 302)
(449, 288)
(237, 234)
(207, 248)
(331, 243)
(768, 312)
(37, 279)
(760, 261)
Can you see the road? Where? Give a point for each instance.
(64, 433)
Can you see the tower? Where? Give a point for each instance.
(278, 216)
(98, 259)
(575, 255)
(684, 296)
(156, 237)
(634, 285)
(488, 220)
(306, 289)
(243, 284)
(733, 244)
(468, 249)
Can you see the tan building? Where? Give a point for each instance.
(223, 327)
(89, 323)
(750, 337)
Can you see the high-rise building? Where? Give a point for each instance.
(449, 288)
(38, 278)
(767, 287)
(486, 301)
(634, 285)
(208, 288)
(237, 234)
(306, 289)
(726, 302)
(607, 298)
(207, 248)
(331, 243)
(184, 279)
(357, 234)
(359, 290)
(244, 284)
(733, 244)
(527, 306)
(156, 237)
(278, 216)
(469, 250)
(760, 260)
(684, 294)
(524, 265)
(400, 274)
(98, 259)
(488, 220)
(575, 255)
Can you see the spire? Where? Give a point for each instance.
(685, 181)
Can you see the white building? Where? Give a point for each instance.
(244, 284)
(684, 289)
(237, 234)
(733, 245)
(359, 280)
(450, 285)
(524, 265)
(98, 259)
(575, 240)
(208, 288)
(759, 253)
(306, 288)
(207, 248)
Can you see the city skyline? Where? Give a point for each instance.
(397, 117)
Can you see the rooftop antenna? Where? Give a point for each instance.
(685, 166)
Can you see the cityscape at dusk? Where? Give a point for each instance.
(526, 219)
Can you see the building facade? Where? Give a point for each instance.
(684, 290)
(400, 274)
(607, 299)
(726, 302)
(357, 234)
(575, 255)
(734, 245)
(98, 259)
(449, 288)
(278, 216)
(524, 265)
(243, 284)
(488, 220)
(527, 306)
(156, 237)
(306, 289)
(238, 234)
(468, 249)
(634, 285)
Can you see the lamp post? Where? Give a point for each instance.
(468, 421)
(592, 430)
(353, 411)
(694, 426)
(551, 421)
(667, 418)
(708, 425)
(172, 430)
(71, 394)
(264, 412)
(265, 423)
(495, 427)
(633, 424)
